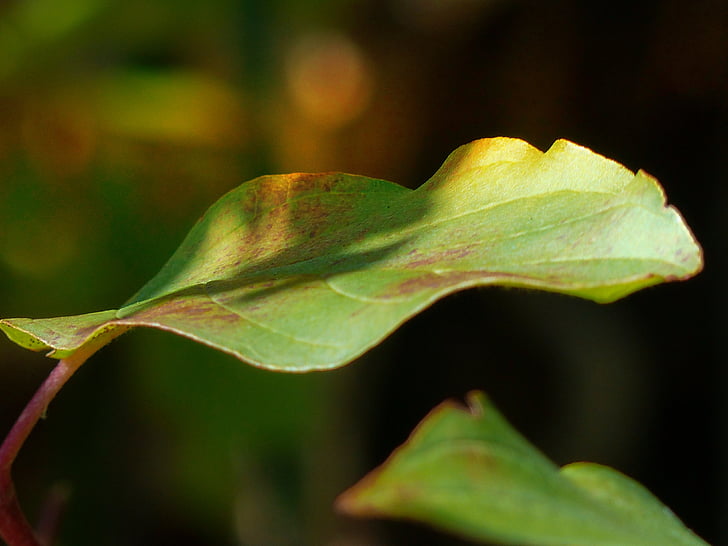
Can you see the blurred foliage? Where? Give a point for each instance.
(122, 121)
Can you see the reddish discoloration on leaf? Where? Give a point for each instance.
(417, 259)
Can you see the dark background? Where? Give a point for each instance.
(121, 121)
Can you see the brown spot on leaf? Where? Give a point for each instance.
(438, 257)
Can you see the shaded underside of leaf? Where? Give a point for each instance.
(467, 471)
(307, 271)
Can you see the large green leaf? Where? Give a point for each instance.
(307, 271)
(467, 471)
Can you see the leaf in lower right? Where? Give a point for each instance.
(465, 470)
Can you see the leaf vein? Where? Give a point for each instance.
(357, 297)
(496, 204)
(264, 326)
(594, 259)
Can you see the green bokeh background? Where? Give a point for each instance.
(120, 122)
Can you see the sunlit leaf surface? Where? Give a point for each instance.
(467, 471)
(307, 271)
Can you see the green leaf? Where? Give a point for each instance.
(307, 271)
(467, 471)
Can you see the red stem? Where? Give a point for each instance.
(33, 411)
(14, 527)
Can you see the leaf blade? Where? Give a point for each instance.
(61, 336)
(307, 271)
(467, 471)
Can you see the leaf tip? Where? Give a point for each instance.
(476, 402)
(15, 332)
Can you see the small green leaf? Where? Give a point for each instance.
(307, 271)
(467, 471)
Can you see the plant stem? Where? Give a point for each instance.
(14, 527)
(33, 411)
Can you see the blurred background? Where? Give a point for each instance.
(120, 122)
